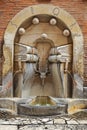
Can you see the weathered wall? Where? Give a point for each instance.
(77, 8)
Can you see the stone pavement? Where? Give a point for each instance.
(46, 127)
(58, 122)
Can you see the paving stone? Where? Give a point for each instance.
(8, 127)
(59, 121)
(82, 121)
(73, 122)
(55, 127)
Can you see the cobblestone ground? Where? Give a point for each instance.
(46, 127)
(62, 122)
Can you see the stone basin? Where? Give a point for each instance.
(42, 106)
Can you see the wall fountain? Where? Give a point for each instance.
(44, 52)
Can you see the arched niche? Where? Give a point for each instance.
(12, 30)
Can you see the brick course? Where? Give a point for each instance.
(77, 8)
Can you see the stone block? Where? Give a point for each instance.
(8, 127)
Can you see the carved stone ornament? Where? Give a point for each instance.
(53, 21)
(66, 32)
(35, 21)
(21, 31)
(44, 35)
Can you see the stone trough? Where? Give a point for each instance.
(10, 107)
(42, 106)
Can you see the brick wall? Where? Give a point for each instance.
(77, 8)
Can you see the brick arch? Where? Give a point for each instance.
(60, 14)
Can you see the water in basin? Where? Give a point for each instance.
(42, 101)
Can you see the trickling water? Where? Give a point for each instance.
(28, 78)
(57, 80)
(74, 82)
